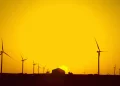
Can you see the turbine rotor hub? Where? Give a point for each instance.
(98, 51)
(2, 52)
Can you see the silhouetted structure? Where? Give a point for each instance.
(70, 73)
(38, 68)
(48, 72)
(23, 64)
(33, 66)
(119, 71)
(114, 69)
(1, 53)
(99, 52)
(58, 71)
(44, 69)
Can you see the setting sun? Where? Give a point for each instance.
(65, 68)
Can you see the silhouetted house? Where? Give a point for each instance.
(58, 71)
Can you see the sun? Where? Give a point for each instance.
(65, 68)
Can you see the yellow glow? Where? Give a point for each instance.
(65, 68)
(60, 32)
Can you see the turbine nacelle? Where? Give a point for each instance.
(34, 63)
(2, 52)
(23, 59)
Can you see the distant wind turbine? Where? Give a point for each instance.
(114, 69)
(33, 66)
(38, 68)
(44, 69)
(23, 63)
(3, 52)
(99, 52)
(119, 71)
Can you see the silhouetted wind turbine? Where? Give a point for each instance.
(44, 69)
(3, 52)
(33, 66)
(38, 68)
(99, 52)
(114, 69)
(23, 63)
(119, 71)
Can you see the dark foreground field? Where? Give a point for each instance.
(52, 80)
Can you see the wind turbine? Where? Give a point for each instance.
(33, 66)
(114, 69)
(44, 69)
(38, 68)
(99, 52)
(84, 72)
(3, 52)
(23, 63)
(119, 71)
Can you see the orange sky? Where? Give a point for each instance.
(60, 32)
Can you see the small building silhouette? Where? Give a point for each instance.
(48, 72)
(70, 73)
(58, 71)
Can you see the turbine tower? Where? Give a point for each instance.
(3, 52)
(44, 69)
(99, 52)
(114, 69)
(23, 63)
(33, 66)
(38, 68)
(119, 71)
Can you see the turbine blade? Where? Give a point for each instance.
(10, 57)
(97, 44)
(103, 51)
(7, 54)
(2, 45)
(21, 57)
(25, 59)
(44, 66)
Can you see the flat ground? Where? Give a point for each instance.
(53, 80)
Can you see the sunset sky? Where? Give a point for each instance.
(60, 32)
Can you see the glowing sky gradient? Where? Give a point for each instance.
(60, 32)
